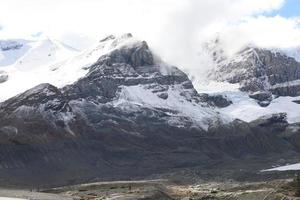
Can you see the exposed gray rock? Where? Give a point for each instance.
(216, 100)
(46, 95)
(297, 101)
(264, 103)
(163, 95)
(6, 45)
(286, 90)
(263, 98)
(110, 37)
(276, 121)
(3, 77)
(135, 56)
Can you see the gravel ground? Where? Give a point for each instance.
(7, 194)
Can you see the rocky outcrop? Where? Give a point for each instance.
(3, 77)
(216, 100)
(277, 121)
(297, 101)
(263, 98)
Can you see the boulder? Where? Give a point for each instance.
(163, 95)
(263, 98)
(219, 101)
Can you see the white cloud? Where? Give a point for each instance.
(98, 17)
(269, 32)
(174, 28)
(180, 39)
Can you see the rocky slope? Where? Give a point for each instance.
(257, 81)
(261, 72)
(129, 116)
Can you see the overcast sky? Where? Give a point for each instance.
(174, 28)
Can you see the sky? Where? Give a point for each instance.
(175, 29)
(291, 8)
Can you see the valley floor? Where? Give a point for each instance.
(242, 180)
(165, 190)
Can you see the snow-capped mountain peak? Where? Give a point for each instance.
(268, 81)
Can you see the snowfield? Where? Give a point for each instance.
(294, 167)
(247, 109)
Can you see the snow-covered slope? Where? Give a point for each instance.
(43, 53)
(26, 65)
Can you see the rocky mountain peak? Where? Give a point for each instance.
(261, 70)
(136, 54)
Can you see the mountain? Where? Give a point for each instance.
(261, 70)
(258, 81)
(127, 115)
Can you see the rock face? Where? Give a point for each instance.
(129, 116)
(261, 70)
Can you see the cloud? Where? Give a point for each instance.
(182, 36)
(268, 32)
(98, 17)
(175, 29)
